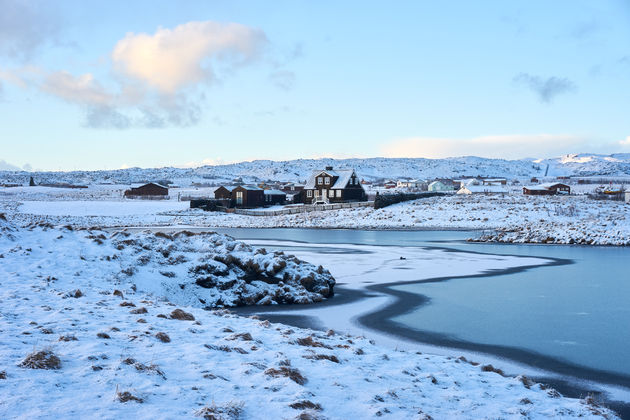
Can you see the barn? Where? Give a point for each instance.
(150, 190)
(547, 189)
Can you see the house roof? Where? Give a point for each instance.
(230, 188)
(546, 186)
(249, 187)
(343, 175)
(274, 192)
(484, 188)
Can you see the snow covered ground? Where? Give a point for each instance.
(82, 341)
(518, 218)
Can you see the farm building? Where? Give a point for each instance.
(411, 183)
(248, 196)
(440, 186)
(150, 190)
(275, 197)
(223, 192)
(547, 189)
(482, 189)
(390, 184)
(330, 186)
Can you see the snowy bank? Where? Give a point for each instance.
(197, 269)
(83, 338)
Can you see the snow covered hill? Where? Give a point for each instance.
(84, 335)
(371, 169)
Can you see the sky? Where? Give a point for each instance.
(112, 84)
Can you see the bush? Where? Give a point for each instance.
(181, 315)
(43, 359)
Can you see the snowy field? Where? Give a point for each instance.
(517, 218)
(85, 337)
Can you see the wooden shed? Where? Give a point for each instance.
(248, 196)
(273, 197)
(547, 189)
(223, 192)
(148, 190)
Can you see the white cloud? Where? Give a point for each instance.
(81, 89)
(157, 79)
(508, 146)
(625, 142)
(175, 58)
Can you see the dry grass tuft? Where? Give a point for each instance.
(331, 357)
(241, 336)
(229, 411)
(305, 405)
(490, 368)
(138, 311)
(309, 342)
(103, 335)
(128, 304)
(118, 293)
(287, 372)
(127, 396)
(43, 359)
(3, 374)
(308, 415)
(181, 315)
(68, 338)
(163, 337)
(76, 294)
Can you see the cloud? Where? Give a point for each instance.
(283, 79)
(172, 59)
(81, 89)
(507, 146)
(546, 89)
(625, 142)
(25, 26)
(158, 79)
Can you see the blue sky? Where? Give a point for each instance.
(103, 85)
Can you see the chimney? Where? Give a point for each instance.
(329, 168)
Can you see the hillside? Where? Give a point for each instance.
(371, 169)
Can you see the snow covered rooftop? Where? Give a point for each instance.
(274, 192)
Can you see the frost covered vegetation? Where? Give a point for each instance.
(197, 269)
(77, 323)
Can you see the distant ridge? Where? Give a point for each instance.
(582, 164)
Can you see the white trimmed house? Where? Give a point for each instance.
(333, 186)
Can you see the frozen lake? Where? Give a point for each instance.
(571, 316)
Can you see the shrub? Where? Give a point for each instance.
(181, 315)
(103, 335)
(163, 337)
(229, 411)
(309, 342)
(43, 359)
(287, 372)
(305, 404)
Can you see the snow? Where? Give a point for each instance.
(102, 208)
(370, 169)
(112, 344)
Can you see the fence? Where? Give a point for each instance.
(304, 209)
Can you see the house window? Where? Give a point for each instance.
(327, 181)
(309, 193)
(320, 180)
(331, 193)
(338, 193)
(239, 197)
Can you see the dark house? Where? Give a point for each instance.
(148, 190)
(330, 186)
(223, 193)
(248, 196)
(273, 197)
(547, 189)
